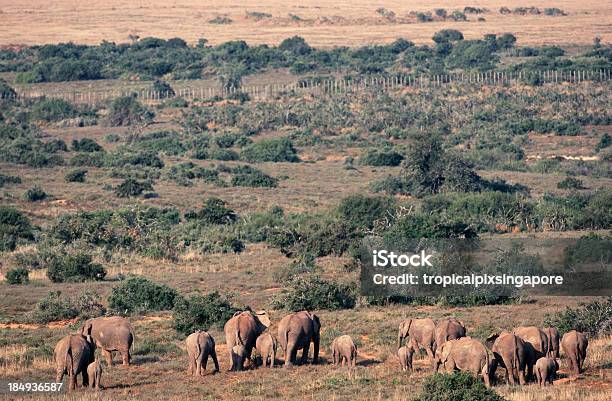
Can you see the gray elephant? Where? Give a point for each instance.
(200, 345)
(574, 345)
(553, 341)
(266, 346)
(510, 353)
(421, 333)
(72, 356)
(448, 329)
(94, 372)
(536, 343)
(296, 331)
(242, 330)
(110, 334)
(344, 351)
(546, 370)
(465, 354)
(405, 354)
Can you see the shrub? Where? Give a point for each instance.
(163, 89)
(17, 276)
(76, 176)
(373, 157)
(362, 211)
(594, 318)
(458, 386)
(138, 294)
(52, 110)
(313, 292)
(86, 145)
(35, 194)
(54, 307)
(570, 183)
(604, 142)
(270, 150)
(76, 267)
(223, 155)
(6, 92)
(214, 211)
(9, 179)
(255, 179)
(97, 159)
(13, 226)
(201, 312)
(127, 110)
(447, 35)
(131, 187)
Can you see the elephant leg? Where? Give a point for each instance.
(125, 357)
(190, 367)
(213, 355)
(59, 374)
(315, 351)
(580, 362)
(305, 352)
(71, 381)
(198, 366)
(291, 354)
(231, 358)
(272, 358)
(85, 377)
(521, 377)
(108, 355)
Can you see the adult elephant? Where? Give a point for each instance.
(574, 345)
(536, 342)
(421, 333)
(465, 354)
(509, 352)
(296, 331)
(200, 345)
(241, 332)
(448, 329)
(72, 356)
(110, 334)
(553, 341)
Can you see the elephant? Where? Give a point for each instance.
(448, 329)
(344, 351)
(266, 346)
(110, 334)
(200, 345)
(405, 354)
(546, 370)
(553, 341)
(465, 354)
(574, 345)
(242, 329)
(536, 342)
(510, 353)
(296, 331)
(421, 333)
(72, 356)
(94, 371)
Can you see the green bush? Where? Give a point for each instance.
(214, 211)
(6, 92)
(604, 142)
(52, 110)
(201, 312)
(76, 267)
(77, 175)
(254, 179)
(570, 183)
(97, 159)
(86, 145)
(55, 307)
(270, 150)
(163, 88)
(447, 35)
(35, 194)
(594, 318)
(13, 227)
(9, 179)
(312, 293)
(373, 157)
(362, 211)
(127, 110)
(458, 386)
(131, 188)
(17, 276)
(223, 155)
(138, 295)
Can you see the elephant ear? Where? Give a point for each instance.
(445, 351)
(404, 327)
(263, 317)
(237, 313)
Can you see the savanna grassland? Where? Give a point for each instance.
(262, 203)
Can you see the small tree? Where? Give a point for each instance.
(19, 275)
(138, 294)
(132, 187)
(77, 175)
(201, 312)
(35, 194)
(74, 268)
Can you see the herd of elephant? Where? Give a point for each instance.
(522, 353)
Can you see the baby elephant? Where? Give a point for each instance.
(546, 370)
(266, 347)
(405, 354)
(344, 351)
(94, 371)
(200, 345)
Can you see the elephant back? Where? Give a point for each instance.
(112, 333)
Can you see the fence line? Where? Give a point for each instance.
(330, 86)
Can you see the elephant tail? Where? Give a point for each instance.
(69, 362)
(131, 346)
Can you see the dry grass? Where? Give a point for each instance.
(324, 23)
